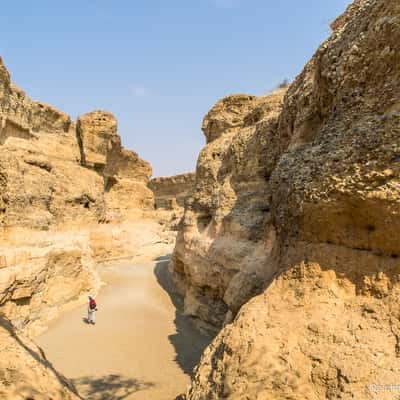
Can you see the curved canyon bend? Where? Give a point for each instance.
(141, 346)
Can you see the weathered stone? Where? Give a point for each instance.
(57, 182)
(227, 114)
(22, 293)
(326, 324)
(24, 371)
(221, 243)
(95, 132)
(171, 192)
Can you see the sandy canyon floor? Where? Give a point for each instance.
(141, 347)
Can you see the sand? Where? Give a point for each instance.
(141, 347)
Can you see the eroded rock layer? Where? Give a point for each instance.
(226, 237)
(66, 192)
(52, 171)
(170, 192)
(125, 175)
(308, 217)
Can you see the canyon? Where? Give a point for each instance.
(72, 199)
(282, 246)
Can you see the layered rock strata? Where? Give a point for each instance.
(170, 192)
(125, 175)
(60, 183)
(226, 237)
(54, 173)
(323, 251)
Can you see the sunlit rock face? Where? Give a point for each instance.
(67, 195)
(170, 192)
(41, 180)
(324, 258)
(125, 175)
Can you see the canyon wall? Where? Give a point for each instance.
(222, 247)
(170, 192)
(70, 197)
(53, 171)
(290, 235)
(125, 176)
(61, 177)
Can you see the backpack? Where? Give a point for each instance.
(92, 304)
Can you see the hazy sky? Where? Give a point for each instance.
(158, 65)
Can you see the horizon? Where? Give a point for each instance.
(141, 66)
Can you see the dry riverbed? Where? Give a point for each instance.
(142, 347)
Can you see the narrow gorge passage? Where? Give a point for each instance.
(141, 347)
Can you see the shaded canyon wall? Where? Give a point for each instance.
(290, 235)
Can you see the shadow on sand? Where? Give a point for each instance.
(109, 387)
(37, 356)
(189, 342)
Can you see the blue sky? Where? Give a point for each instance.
(158, 65)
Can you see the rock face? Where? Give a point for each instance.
(95, 133)
(125, 175)
(52, 171)
(324, 250)
(59, 184)
(41, 180)
(42, 272)
(226, 236)
(170, 192)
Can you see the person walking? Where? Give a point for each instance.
(92, 308)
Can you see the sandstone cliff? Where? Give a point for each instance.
(125, 175)
(226, 238)
(320, 240)
(59, 183)
(170, 192)
(53, 171)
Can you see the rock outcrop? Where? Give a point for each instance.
(41, 181)
(322, 249)
(53, 172)
(170, 192)
(125, 175)
(226, 236)
(54, 176)
(42, 272)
